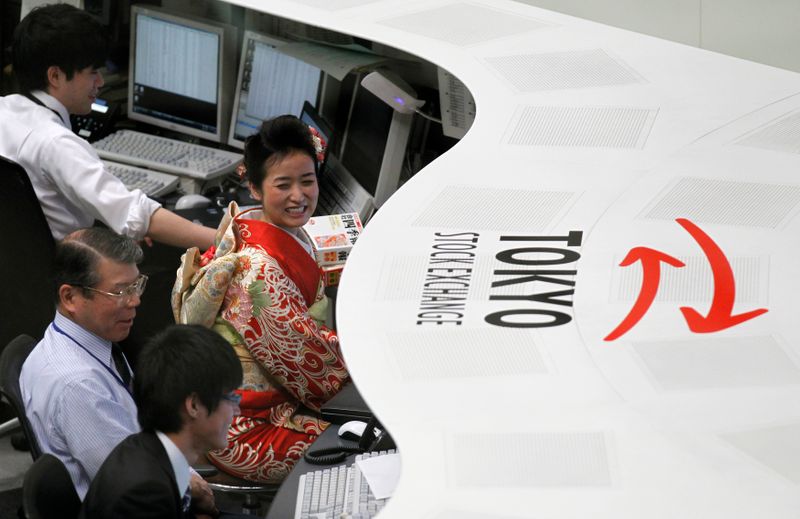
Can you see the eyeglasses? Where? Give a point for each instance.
(125, 295)
(234, 398)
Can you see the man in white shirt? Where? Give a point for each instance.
(184, 389)
(76, 383)
(57, 51)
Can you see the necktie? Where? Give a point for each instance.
(187, 500)
(119, 362)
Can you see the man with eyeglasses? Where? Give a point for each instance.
(147, 475)
(76, 383)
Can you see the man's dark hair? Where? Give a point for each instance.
(60, 35)
(77, 256)
(180, 361)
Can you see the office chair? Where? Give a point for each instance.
(26, 258)
(48, 492)
(11, 360)
(254, 493)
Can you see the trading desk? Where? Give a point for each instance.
(283, 506)
(346, 405)
(587, 307)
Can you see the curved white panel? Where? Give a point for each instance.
(519, 403)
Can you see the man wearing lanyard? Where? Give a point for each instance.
(75, 384)
(57, 50)
(185, 382)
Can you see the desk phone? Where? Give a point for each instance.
(98, 123)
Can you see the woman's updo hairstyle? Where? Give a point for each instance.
(276, 139)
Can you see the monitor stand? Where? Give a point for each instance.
(393, 155)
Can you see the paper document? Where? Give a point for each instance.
(335, 61)
(382, 473)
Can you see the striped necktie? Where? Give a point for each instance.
(186, 501)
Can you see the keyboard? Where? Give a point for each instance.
(340, 192)
(167, 155)
(152, 183)
(337, 492)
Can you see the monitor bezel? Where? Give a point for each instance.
(225, 58)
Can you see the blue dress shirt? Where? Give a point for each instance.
(77, 406)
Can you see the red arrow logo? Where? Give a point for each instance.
(651, 276)
(720, 315)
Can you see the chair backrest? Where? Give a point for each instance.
(48, 492)
(11, 360)
(26, 257)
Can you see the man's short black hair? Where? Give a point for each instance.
(78, 255)
(180, 361)
(60, 35)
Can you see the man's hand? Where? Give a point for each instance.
(202, 496)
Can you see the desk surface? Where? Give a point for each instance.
(592, 147)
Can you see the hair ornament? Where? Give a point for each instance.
(241, 171)
(319, 143)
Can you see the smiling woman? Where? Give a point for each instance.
(261, 289)
(289, 191)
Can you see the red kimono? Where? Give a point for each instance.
(262, 282)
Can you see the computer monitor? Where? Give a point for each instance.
(365, 138)
(181, 73)
(339, 192)
(270, 83)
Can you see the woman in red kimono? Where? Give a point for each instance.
(262, 290)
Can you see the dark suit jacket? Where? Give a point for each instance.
(136, 481)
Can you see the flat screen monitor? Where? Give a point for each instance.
(365, 138)
(270, 83)
(181, 73)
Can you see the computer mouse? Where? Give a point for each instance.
(192, 201)
(352, 430)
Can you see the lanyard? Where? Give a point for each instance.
(40, 103)
(107, 368)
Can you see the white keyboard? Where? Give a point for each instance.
(338, 492)
(153, 183)
(167, 155)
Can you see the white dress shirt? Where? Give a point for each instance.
(178, 461)
(72, 185)
(78, 408)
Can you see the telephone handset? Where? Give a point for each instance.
(98, 123)
(369, 442)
